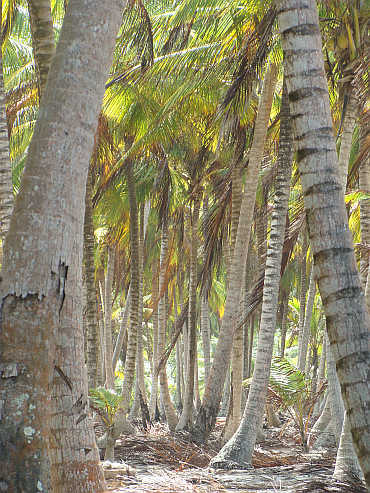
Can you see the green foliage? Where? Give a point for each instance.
(106, 403)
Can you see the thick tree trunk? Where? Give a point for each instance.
(336, 270)
(47, 215)
(43, 42)
(240, 448)
(73, 454)
(213, 392)
(186, 419)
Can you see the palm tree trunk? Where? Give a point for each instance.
(347, 465)
(140, 377)
(47, 217)
(364, 184)
(205, 320)
(186, 419)
(122, 331)
(213, 392)
(240, 448)
(134, 304)
(162, 319)
(108, 340)
(91, 311)
(234, 411)
(155, 294)
(6, 183)
(284, 322)
(71, 424)
(302, 349)
(43, 42)
(346, 142)
(336, 270)
(303, 290)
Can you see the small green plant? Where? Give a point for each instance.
(105, 403)
(289, 388)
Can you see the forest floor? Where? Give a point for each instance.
(171, 463)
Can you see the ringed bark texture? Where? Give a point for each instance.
(48, 214)
(213, 392)
(335, 265)
(238, 450)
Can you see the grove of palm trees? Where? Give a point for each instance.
(184, 241)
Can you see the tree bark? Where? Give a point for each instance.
(110, 380)
(239, 448)
(6, 183)
(213, 392)
(43, 42)
(162, 320)
(186, 419)
(336, 270)
(91, 311)
(302, 349)
(38, 250)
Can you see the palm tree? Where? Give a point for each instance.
(213, 391)
(240, 447)
(343, 299)
(47, 216)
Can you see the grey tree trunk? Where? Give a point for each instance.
(302, 349)
(336, 270)
(71, 425)
(205, 321)
(186, 419)
(140, 377)
(122, 330)
(6, 183)
(43, 42)
(284, 322)
(364, 184)
(47, 217)
(239, 449)
(155, 294)
(213, 392)
(162, 320)
(91, 309)
(110, 380)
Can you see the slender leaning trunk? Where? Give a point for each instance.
(213, 392)
(47, 215)
(239, 448)
(110, 381)
(336, 270)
